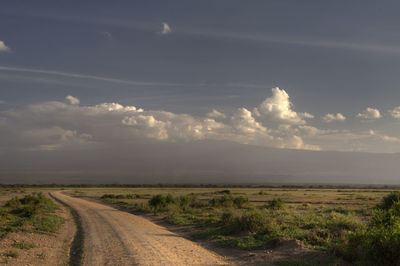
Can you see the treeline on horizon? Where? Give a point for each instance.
(166, 185)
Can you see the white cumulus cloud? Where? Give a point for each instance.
(216, 114)
(279, 108)
(273, 123)
(328, 118)
(395, 113)
(72, 100)
(166, 29)
(244, 121)
(4, 47)
(369, 114)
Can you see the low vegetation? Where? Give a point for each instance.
(361, 226)
(31, 213)
(23, 245)
(236, 222)
(379, 242)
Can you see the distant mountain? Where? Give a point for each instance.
(199, 162)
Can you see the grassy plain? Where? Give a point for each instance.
(32, 228)
(330, 221)
(322, 219)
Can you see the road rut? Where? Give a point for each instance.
(114, 237)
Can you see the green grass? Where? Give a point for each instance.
(12, 254)
(306, 261)
(31, 213)
(23, 245)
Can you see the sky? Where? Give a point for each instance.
(82, 78)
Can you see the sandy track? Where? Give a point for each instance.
(113, 237)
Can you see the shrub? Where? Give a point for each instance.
(389, 200)
(186, 201)
(251, 221)
(225, 191)
(276, 204)
(240, 201)
(120, 196)
(224, 201)
(228, 217)
(158, 202)
(169, 199)
(379, 243)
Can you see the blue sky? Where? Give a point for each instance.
(336, 65)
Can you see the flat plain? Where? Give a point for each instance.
(244, 225)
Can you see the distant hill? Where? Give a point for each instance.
(199, 162)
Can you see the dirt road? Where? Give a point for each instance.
(113, 237)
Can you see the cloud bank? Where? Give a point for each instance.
(71, 125)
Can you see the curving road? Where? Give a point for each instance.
(114, 237)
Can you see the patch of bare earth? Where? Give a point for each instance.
(113, 237)
(48, 249)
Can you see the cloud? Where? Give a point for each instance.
(244, 122)
(273, 123)
(279, 108)
(384, 137)
(4, 47)
(166, 29)
(111, 123)
(370, 114)
(54, 138)
(395, 113)
(72, 100)
(306, 115)
(328, 118)
(91, 77)
(153, 128)
(215, 114)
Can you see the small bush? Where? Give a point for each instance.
(121, 196)
(276, 204)
(379, 243)
(240, 201)
(224, 201)
(169, 199)
(188, 201)
(225, 191)
(251, 221)
(158, 202)
(389, 200)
